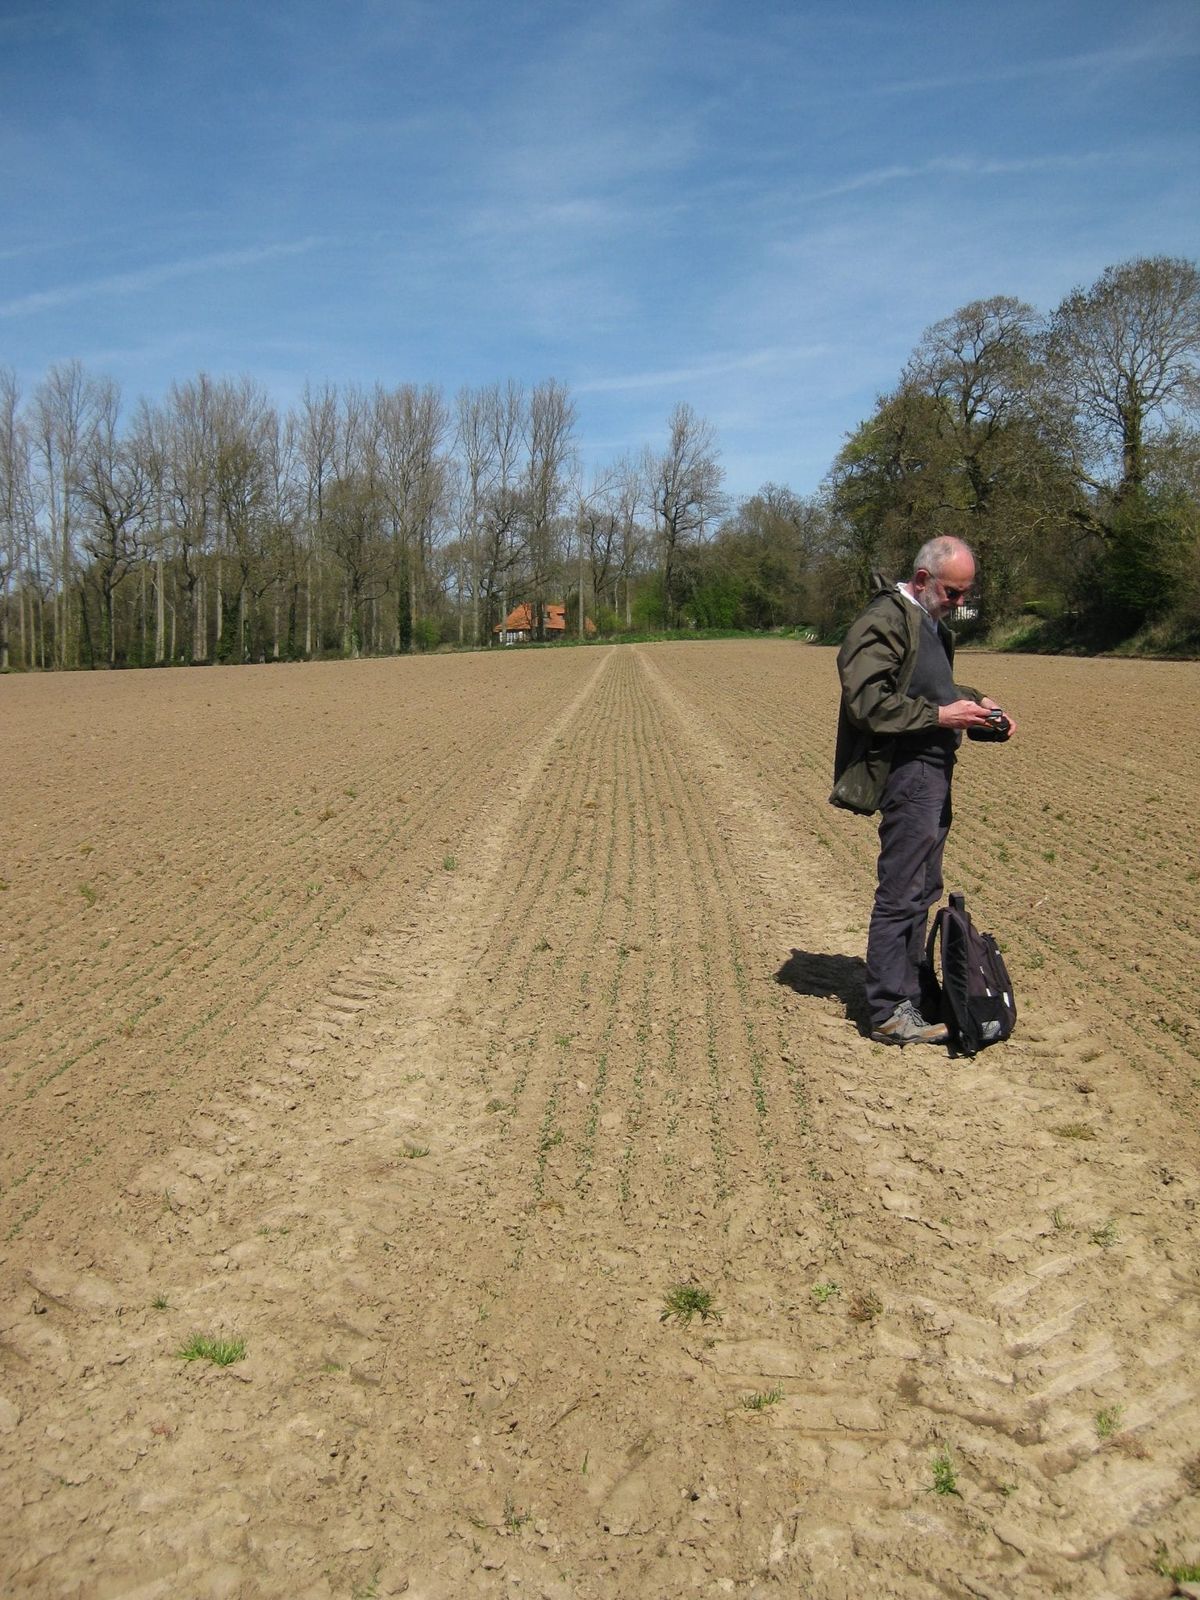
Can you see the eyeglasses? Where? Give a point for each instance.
(953, 595)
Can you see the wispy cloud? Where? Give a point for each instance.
(955, 167)
(1153, 51)
(151, 277)
(698, 372)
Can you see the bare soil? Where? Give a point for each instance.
(424, 1024)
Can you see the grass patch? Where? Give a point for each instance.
(1108, 1420)
(414, 1152)
(683, 1301)
(762, 1399)
(1183, 1572)
(1105, 1236)
(514, 1517)
(945, 1479)
(1074, 1130)
(221, 1352)
(823, 1293)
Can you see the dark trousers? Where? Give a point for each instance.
(912, 837)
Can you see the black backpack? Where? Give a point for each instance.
(974, 997)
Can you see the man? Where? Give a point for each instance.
(901, 721)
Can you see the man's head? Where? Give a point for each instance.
(943, 573)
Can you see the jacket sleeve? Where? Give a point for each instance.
(869, 664)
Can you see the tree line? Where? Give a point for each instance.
(211, 526)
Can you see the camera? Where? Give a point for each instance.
(994, 731)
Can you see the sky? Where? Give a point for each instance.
(755, 207)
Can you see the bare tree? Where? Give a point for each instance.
(318, 428)
(502, 501)
(608, 533)
(15, 507)
(243, 424)
(115, 489)
(476, 458)
(412, 425)
(189, 438)
(284, 476)
(684, 484)
(551, 420)
(63, 414)
(354, 519)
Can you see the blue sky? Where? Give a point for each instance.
(754, 207)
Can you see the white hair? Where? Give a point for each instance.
(936, 553)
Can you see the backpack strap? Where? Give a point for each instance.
(935, 928)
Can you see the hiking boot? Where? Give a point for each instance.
(906, 1025)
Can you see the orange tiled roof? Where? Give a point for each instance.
(520, 619)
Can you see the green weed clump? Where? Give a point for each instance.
(1108, 1419)
(1182, 1572)
(221, 1352)
(763, 1399)
(683, 1301)
(945, 1479)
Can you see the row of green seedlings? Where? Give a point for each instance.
(533, 845)
(63, 1178)
(754, 1052)
(709, 885)
(228, 1003)
(721, 871)
(649, 807)
(206, 937)
(681, 798)
(551, 1134)
(659, 788)
(754, 1049)
(1037, 939)
(298, 932)
(585, 1152)
(335, 914)
(202, 937)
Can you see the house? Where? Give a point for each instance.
(517, 627)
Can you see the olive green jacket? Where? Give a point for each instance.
(876, 664)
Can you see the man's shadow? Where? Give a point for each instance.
(830, 977)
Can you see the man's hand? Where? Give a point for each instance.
(963, 714)
(990, 705)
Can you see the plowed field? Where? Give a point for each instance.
(432, 1027)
